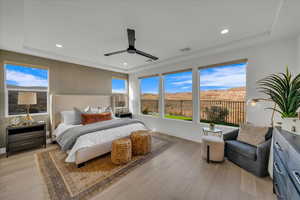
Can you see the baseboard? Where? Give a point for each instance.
(2, 151)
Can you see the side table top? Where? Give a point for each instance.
(215, 130)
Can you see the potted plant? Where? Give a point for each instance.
(211, 126)
(284, 90)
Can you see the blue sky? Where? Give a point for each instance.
(217, 78)
(223, 77)
(118, 86)
(150, 85)
(179, 82)
(26, 76)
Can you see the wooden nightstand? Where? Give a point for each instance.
(124, 115)
(20, 138)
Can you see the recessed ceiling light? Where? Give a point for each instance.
(125, 63)
(224, 31)
(59, 45)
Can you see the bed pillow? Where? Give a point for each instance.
(94, 109)
(87, 118)
(70, 117)
(251, 134)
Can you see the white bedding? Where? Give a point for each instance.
(98, 137)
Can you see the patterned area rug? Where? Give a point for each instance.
(64, 181)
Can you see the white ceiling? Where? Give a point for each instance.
(88, 29)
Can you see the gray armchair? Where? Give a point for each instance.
(251, 158)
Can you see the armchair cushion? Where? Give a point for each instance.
(241, 148)
(252, 134)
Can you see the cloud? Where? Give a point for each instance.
(149, 92)
(223, 77)
(118, 91)
(185, 82)
(24, 79)
(186, 87)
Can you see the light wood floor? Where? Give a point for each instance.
(176, 174)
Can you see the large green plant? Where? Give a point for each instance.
(284, 90)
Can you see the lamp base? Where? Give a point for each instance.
(28, 119)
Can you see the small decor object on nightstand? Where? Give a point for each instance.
(27, 98)
(124, 115)
(20, 138)
(14, 121)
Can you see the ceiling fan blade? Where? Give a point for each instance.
(146, 55)
(116, 52)
(131, 37)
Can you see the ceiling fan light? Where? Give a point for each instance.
(224, 31)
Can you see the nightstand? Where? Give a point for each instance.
(20, 138)
(124, 115)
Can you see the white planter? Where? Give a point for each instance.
(291, 125)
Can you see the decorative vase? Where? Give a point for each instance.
(291, 124)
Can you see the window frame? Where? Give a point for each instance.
(164, 92)
(126, 94)
(198, 69)
(29, 90)
(159, 76)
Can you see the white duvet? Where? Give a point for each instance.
(98, 137)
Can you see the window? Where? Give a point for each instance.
(150, 95)
(222, 93)
(178, 95)
(119, 85)
(20, 79)
(120, 91)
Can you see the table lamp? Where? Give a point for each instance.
(27, 98)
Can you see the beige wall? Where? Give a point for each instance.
(64, 78)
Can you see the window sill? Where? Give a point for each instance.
(201, 124)
(158, 117)
(178, 120)
(23, 115)
(150, 116)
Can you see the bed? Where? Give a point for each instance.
(92, 144)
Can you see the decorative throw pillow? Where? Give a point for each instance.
(251, 134)
(92, 118)
(70, 117)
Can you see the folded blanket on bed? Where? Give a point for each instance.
(68, 138)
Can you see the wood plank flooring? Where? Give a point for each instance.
(177, 174)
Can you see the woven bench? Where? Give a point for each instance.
(141, 142)
(121, 151)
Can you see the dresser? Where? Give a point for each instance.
(286, 165)
(25, 137)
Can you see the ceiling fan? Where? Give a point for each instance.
(131, 49)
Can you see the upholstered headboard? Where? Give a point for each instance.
(60, 103)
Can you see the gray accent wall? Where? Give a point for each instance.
(64, 78)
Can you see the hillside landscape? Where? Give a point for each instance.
(233, 94)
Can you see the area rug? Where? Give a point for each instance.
(64, 181)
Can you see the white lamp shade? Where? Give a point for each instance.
(26, 98)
